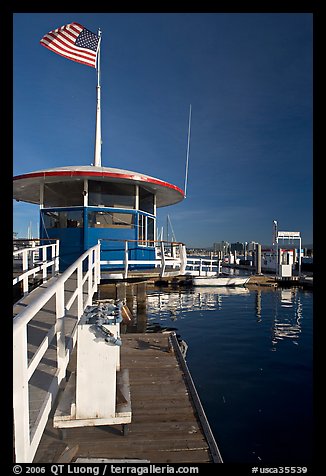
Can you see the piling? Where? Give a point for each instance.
(141, 307)
(258, 258)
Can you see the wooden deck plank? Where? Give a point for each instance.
(164, 426)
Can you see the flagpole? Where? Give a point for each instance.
(98, 138)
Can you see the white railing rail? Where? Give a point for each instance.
(169, 256)
(202, 266)
(87, 267)
(35, 259)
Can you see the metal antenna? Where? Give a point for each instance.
(187, 160)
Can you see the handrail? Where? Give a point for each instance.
(26, 442)
(162, 260)
(42, 265)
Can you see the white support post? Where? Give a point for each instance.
(98, 263)
(44, 268)
(20, 395)
(126, 260)
(57, 250)
(89, 282)
(219, 269)
(137, 197)
(85, 192)
(53, 259)
(32, 256)
(60, 330)
(183, 258)
(80, 309)
(163, 263)
(299, 260)
(41, 194)
(25, 268)
(92, 270)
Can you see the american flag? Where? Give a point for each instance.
(74, 42)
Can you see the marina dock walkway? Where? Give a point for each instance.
(165, 426)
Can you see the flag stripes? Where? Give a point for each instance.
(74, 42)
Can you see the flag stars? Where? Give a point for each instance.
(87, 39)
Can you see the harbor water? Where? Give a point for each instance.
(250, 356)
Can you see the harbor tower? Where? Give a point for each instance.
(80, 205)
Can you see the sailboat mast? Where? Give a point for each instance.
(98, 137)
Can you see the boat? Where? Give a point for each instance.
(220, 280)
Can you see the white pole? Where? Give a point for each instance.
(188, 145)
(98, 138)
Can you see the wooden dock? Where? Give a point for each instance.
(168, 423)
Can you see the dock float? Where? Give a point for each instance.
(168, 421)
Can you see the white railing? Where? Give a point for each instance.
(34, 259)
(169, 256)
(203, 266)
(26, 439)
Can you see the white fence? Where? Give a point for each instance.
(169, 257)
(87, 269)
(33, 260)
(203, 266)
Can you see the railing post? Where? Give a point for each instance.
(31, 255)
(57, 256)
(44, 267)
(94, 270)
(89, 279)
(173, 255)
(25, 268)
(98, 262)
(53, 259)
(20, 396)
(183, 258)
(60, 330)
(219, 269)
(126, 260)
(80, 290)
(163, 264)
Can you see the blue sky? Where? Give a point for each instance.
(248, 77)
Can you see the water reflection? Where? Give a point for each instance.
(168, 304)
(159, 309)
(288, 315)
(258, 305)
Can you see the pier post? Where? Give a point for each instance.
(121, 291)
(258, 258)
(141, 307)
(130, 291)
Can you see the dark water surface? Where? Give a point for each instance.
(250, 356)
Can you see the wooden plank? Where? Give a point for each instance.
(164, 426)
